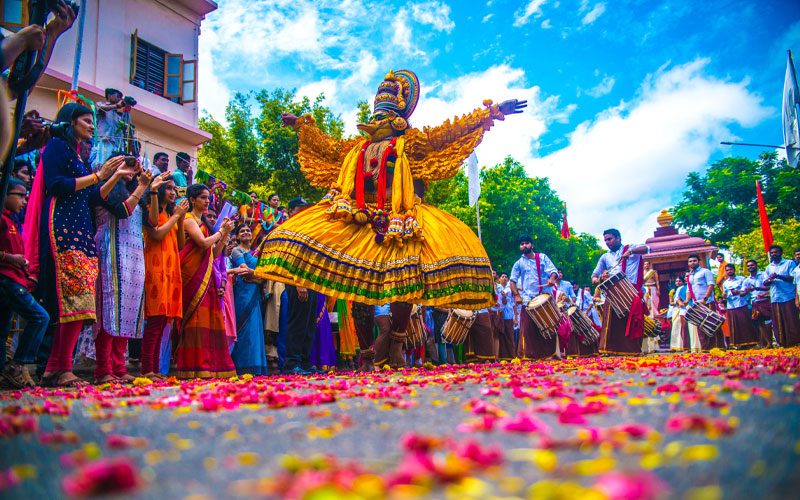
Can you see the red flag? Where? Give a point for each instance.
(766, 230)
(565, 226)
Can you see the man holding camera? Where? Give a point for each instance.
(111, 126)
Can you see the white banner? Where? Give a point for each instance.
(474, 178)
(791, 135)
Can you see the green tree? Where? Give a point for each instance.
(721, 203)
(786, 233)
(364, 113)
(512, 204)
(255, 152)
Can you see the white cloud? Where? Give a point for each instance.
(532, 8)
(434, 14)
(487, 17)
(602, 88)
(402, 35)
(326, 86)
(547, 24)
(212, 94)
(593, 14)
(628, 163)
(517, 135)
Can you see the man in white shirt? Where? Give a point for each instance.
(533, 274)
(782, 293)
(507, 349)
(759, 300)
(700, 283)
(737, 310)
(564, 288)
(621, 335)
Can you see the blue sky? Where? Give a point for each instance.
(625, 97)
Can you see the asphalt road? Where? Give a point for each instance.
(720, 425)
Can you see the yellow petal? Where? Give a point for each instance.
(248, 458)
(700, 452)
(712, 492)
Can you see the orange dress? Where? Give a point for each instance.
(162, 280)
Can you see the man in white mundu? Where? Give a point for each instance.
(621, 335)
(533, 274)
(700, 284)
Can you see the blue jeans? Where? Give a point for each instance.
(15, 299)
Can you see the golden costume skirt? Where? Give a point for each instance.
(448, 266)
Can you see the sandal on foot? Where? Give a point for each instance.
(126, 379)
(69, 380)
(13, 374)
(52, 379)
(106, 379)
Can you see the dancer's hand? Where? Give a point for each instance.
(512, 106)
(288, 119)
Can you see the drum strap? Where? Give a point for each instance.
(689, 286)
(538, 261)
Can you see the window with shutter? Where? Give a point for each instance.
(147, 65)
(13, 14)
(162, 73)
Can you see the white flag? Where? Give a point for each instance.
(474, 178)
(791, 135)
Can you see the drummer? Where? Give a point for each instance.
(533, 274)
(621, 335)
(737, 308)
(507, 345)
(480, 345)
(700, 283)
(762, 310)
(565, 288)
(585, 301)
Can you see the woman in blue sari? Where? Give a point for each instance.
(249, 353)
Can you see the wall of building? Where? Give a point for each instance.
(105, 56)
(105, 62)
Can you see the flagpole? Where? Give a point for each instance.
(478, 216)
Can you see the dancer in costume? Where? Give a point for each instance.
(372, 239)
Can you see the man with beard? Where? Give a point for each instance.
(700, 283)
(533, 274)
(737, 310)
(759, 298)
(782, 293)
(621, 335)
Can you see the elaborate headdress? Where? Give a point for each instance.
(398, 92)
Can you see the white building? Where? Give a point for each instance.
(145, 48)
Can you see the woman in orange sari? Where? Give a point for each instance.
(202, 347)
(163, 238)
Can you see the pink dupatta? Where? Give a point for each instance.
(33, 220)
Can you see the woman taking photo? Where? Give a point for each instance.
(60, 228)
(163, 238)
(202, 348)
(249, 353)
(120, 250)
